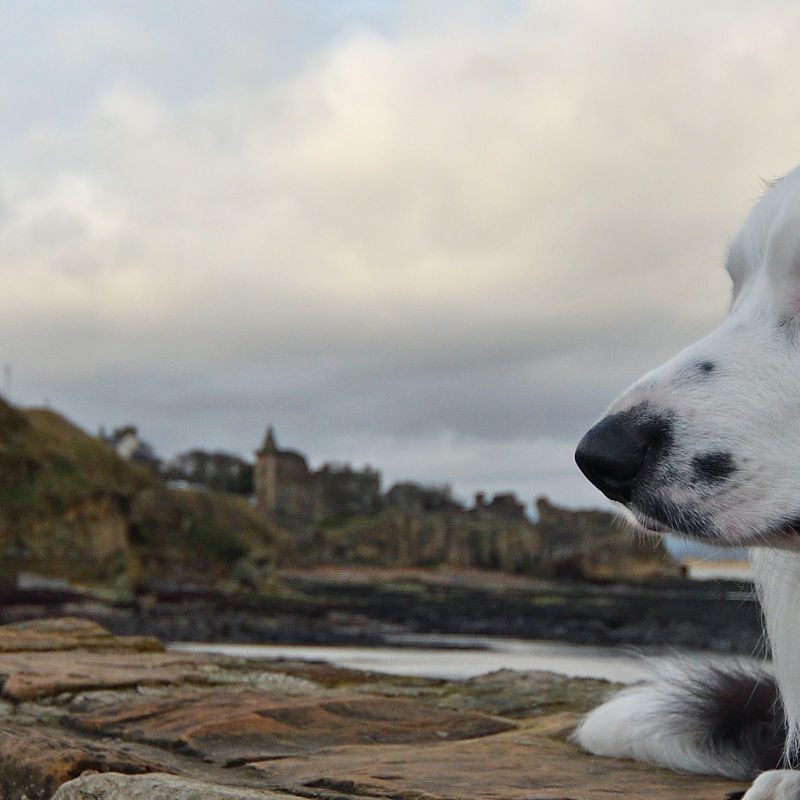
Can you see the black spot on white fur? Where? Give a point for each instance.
(706, 367)
(742, 713)
(714, 467)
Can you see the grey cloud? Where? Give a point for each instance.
(422, 243)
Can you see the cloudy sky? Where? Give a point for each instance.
(437, 237)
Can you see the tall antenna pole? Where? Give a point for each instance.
(7, 382)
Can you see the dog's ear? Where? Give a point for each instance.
(736, 264)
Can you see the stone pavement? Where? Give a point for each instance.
(89, 716)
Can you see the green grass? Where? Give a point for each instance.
(216, 542)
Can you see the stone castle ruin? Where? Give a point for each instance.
(340, 515)
(288, 489)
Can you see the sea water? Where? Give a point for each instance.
(455, 657)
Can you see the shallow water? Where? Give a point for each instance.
(460, 657)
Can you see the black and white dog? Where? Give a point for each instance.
(708, 446)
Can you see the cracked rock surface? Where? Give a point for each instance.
(88, 716)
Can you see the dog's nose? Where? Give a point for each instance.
(613, 453)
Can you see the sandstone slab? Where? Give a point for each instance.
(36, 760)
(238, 727)
(518, 765)
(45, 674)
(69, 633)
(105, 718)
(157, 787)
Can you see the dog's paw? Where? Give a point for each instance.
(777, 784)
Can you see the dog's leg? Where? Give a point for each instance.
(777, 578)
(778, 581)
(777, 784)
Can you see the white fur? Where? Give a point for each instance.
(777, 784)
(777, 576)
(748, 406)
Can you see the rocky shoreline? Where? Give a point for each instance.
(370, 608)
(90, 716)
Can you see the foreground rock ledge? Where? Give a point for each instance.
(90, 716)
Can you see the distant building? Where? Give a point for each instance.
(126, 443)
(286, 487)
(283, 481)
(340, 490)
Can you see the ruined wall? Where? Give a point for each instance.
(341, 491)
(504, 504)
(414, 498)
(591, 543)
(426, 539)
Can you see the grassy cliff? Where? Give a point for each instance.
(70, 507)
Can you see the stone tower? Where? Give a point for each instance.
(266, 477)
(283, 481)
